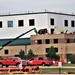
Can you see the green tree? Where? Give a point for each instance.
(72, 58)
(22, 54)
(51, 53)
(1, 58)
(30, 54)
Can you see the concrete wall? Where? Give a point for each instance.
(13, 50)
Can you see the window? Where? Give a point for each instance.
(17, 58)
(10, 58)
(41, 58)
(0, 24)
(68, 56)
(47, 49)
(47, 41)
(55, 40)
(68, 40)
(6, 52)
(31, 22)
(10, 23)
(39, 41)
(74, 40)
(56, 49)
(52, 21)
(72, 23)
(66, 22)
(20, 23)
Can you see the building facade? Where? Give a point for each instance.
(64, 45)
(13, 25)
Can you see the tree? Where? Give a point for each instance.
(1, 58)
(30, 54)
(51, 54)
(22, 54)
(72, 58)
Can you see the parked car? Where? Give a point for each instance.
(11, 61)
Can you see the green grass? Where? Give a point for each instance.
(47, 70)
(71, 65)
(56, 70)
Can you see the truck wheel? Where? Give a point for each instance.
(49, 64)
(1, 65)
(43, 64)
(6, 65)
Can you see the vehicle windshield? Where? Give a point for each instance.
(17, 58)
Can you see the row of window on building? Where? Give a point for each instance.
(46, 50)
(32, 23)
(65, 22)
(20, 23)
(47, 41)
(56, 49)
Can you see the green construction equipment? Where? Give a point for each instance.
(2, 46)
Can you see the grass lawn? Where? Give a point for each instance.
(56, 70)
(71, 65)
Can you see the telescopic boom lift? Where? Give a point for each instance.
(2, 46)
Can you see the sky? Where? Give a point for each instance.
(23, 6)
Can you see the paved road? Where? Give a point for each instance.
(51, 66)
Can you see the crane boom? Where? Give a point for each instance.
(1, 47)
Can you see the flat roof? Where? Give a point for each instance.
(20, 41)
(9, 14)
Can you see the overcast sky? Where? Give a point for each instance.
(18, 6)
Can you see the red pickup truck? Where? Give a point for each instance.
(39, 61)
(11, 61)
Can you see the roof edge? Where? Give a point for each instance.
(38, 13)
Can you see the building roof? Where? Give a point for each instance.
(29, 13)
(20, 41)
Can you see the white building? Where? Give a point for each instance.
(13, 25)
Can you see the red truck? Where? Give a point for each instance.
(39, 61)
(11, 61)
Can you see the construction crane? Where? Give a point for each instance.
(2, 46)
